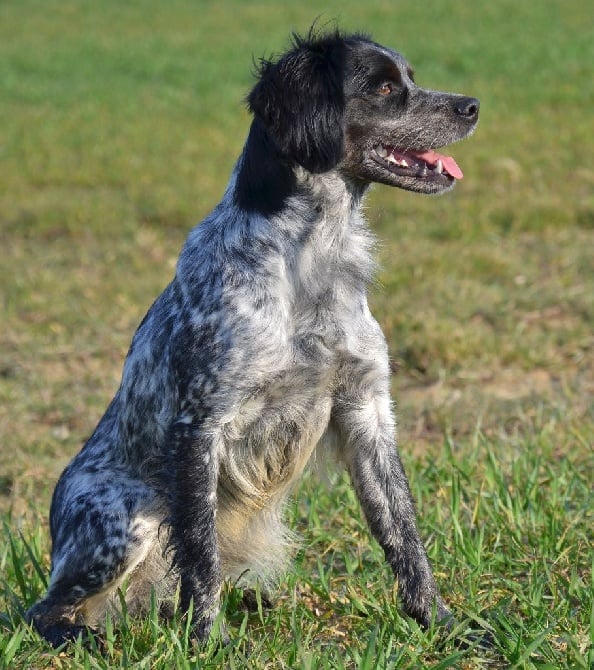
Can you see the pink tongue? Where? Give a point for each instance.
(449, 164)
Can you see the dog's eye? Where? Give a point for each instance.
(385, 89)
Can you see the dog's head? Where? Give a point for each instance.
(345, 102)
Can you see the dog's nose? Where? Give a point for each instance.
(467, 107)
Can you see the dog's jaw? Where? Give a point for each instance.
(427, 170)
(421, 170)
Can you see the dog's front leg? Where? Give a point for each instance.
(193, 515)
(363, 418)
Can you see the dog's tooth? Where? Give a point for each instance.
(438, 167)
(402, 162)
(423, 172)
(381, 150)
(390, 158)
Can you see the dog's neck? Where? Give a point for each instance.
(331, 191)
(265, 179)
(312, 219)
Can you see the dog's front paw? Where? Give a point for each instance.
(58, 634)
(209, 627)
(438, 615)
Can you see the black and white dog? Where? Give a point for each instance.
(261, 350)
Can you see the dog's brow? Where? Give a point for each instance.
(391, 71)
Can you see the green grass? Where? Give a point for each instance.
(120, 125)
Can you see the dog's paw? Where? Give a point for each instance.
(209, 628)
(251, 600)
(59, 634)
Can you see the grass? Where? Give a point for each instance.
(120, 124)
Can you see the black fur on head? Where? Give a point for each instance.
(300, 100)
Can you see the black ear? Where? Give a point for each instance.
(300, 100)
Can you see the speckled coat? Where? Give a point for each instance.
(261, 350)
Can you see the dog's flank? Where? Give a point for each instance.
(261, 350)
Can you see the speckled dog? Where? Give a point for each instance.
(261, 350)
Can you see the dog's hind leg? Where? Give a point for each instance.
(103, 526)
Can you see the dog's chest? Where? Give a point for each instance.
(326, 297)
(298, 318)
(285, 409)
(273, 432)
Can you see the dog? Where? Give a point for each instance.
(260, 351)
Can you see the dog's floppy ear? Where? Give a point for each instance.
(300, 100)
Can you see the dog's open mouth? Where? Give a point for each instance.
(418, 164)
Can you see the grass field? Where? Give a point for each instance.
(120, 125)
